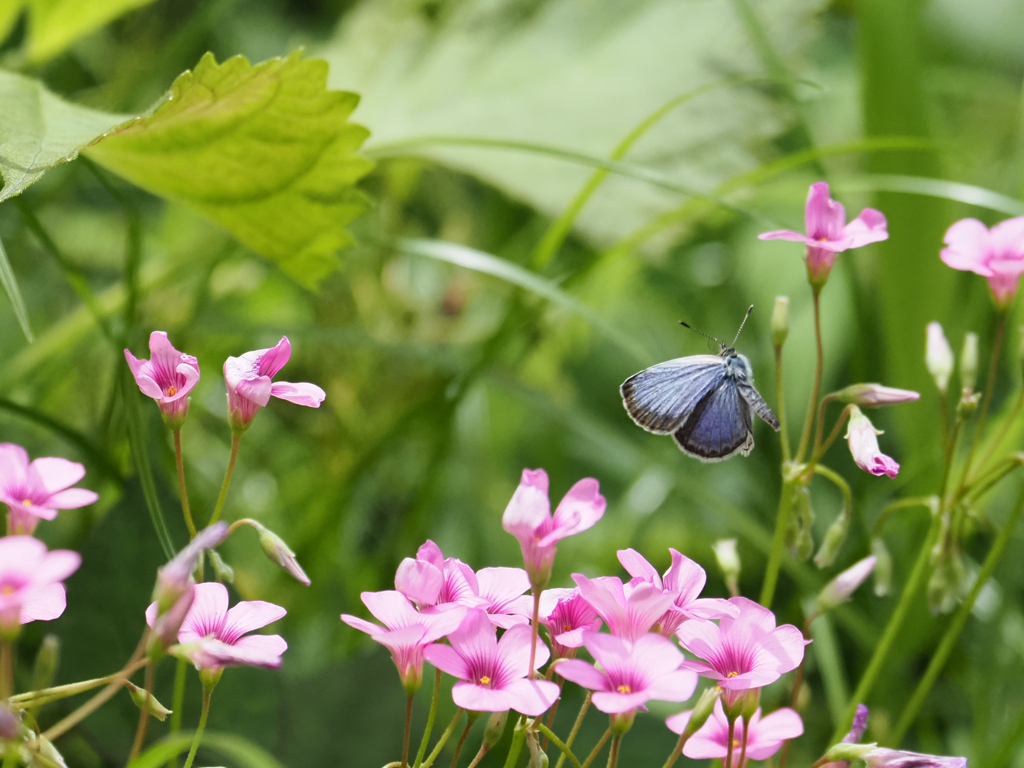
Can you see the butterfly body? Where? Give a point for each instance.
(705, 402)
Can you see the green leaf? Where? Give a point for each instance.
(39, 130)
(56, 24)
(10, 284)
(266, 151)
(241, 752)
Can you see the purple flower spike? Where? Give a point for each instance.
(996, 254)
(250, 384)
(30, 582)
(167, 377)
(493, 672)
(829, 234)
(631, 674)
(764, 738)
(630, 611)
(36, 491)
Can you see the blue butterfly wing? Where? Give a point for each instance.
(661, 397)
(719, 426)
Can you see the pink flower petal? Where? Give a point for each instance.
(823, 216)
(685, 577)
(699, 637)
(768, 733)
(207, 613)
(253, 651)
(43, 604)
(248, 616)
(476, 637)
(678, 723)
(678, 685)
(579, 509)
(13, 466)
(255, 390)
(302, 393)
(614, 703)
(869, 227)
(654, 656)
(607, 597)
(513, 651)
(447, 659)
(391, 608)
(711, 608)
(374, 630)
(583, 674)
(56, 566)
(786, 647)
(529, 507)
(272, 360)
(637, 566)
(442, 623)
(419, 580)
(72, 498)
(148, 386)
(531, 697)
(967, 244)
(476, 698)
(191, 376)
(499, 586)
(787, 234)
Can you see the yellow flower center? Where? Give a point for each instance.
(172, 391)
(6, 589)
(624, 689)
(27, 503)
(567, 628)
(735, 744)
(822, 239)
(733, 674)
(485, 680)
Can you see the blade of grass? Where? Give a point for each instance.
(833, 676)
(10, 284)
(930, 187)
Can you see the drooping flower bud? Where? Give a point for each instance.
(156, 709)
(883, 567)
(174, 578)
(275, 548)
(838, 590)
(860, 724)
(780, 321)
(862, 438)
(729, 563)
(833, 541)
(881, 757)
(969, 362)
(873, 395)
(938, 357)
(968, 405)
(225, 573)
(495, 729)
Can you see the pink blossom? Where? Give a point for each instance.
(631, 673)
(214, 637)
(250, 385)
(881, 757)
(501, 588)
(874, 395)
(630, 611)
(167, 377)
(684, 580)
(36, 491)
(173, 578)
(566, 615)
(30, 582)
(406, 631)
(493, 672)
(862, 438)
(528, 518)
(765, 736)
(996, 254)
(745, 651)
(840, 589)
(829, 234)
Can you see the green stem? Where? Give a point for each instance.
(731, 741)
(430, 720)
(932, 502)
(207, 691)
(6, 669)
(562, 746)
(812, 406)
(678, 751)
(461, 741)
(140, 731)
(1008, 422)
(982, 485)
(956, 626)
(821, 448)
(780, 404)
(613, 752)
(181, 485)
(575, 727)
(444, 738)
(236, 437)
(892, 630)
(32, 699)
(408, 727)
(596, 750)
(177, 702)
(771, 574)
(993, 368)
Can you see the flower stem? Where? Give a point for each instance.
(236, 438)
(597, 748)
(993, 369)
(1008, 421)
(949, 639)
(181, 485)
(805, 438)
(613, 752)
(562, 746)
(732, 740)
(6, 669)
(743, 749)
(518, 737)
(408, 726)
(534, 630)
(462, 740)
(479, 756)
(821, 447)
(771, 574)
(677, 750)
(797, 683)
(140, 731)
(177, 702)
(444, 738)
(781, 405)
(892, 630)
(33, 699)
(430, 720)
(207, 691)
(575, 727)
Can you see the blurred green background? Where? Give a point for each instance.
(443, 382)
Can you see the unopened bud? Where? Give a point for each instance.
(47, 661)
(881, 757)
(495, 729)
(278, 551)
(798, 536)
(948, 583)
(838, 590)
(780, 321)
(51, 757)
(874, 395)
(165, 626)
(883, 567)
(620, 723)
(538, 757)
(729, 563)
(968, 405)
(701, 712)
(10, 725)
(156, 709)
(225, 573)
(173, 579)
(969, 362)
(833, 541)
(741, 703)
(859, 725)
(938, 357)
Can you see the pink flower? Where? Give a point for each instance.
(36, 491)
(173, 578)
(528, 518)
(880, 757)
(214, 637)
(629, 611)
(406, 631)
(434, 581)
(745, 651)
(250, 387)
(684, 580)
(829, 234)
(566, 615)
(996, 254)
(765, 736)
(838, 590)
(874, 395)
(862, 438)
(631, 674)
(501, 588)
(493, 672)
(168, 376)
(30, 582)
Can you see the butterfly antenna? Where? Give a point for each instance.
(749, 310)
(705, 335)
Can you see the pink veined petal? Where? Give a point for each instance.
(206, 616)
(501, 584)
(430, 552)
(609, 651)
(301, 393)
(134, 364)
(151, 614)
(273, 360)
(21, 554)
(549, 600)
(162, 354)
(447, 659)
(418, 580)
(254, 651)
(255, 390)
(44, 513)
(529, 507)
(148, 386)
(786, 234)
(646, 605)
(72, 498)
(700, 747)
(43, 604)
(760, 676)
(475, 638)
(968, 247)
(614, 703)
(442, 623)
(711, 608)
(248, 616)
(824, 218)
(654, 656)
(685, 577)
(767, 735)
(786, 647)
(578, 510)
(678, 723)
(56, 566)
(531, 697)
(353, 621)
(702, 668)
(869, 227)
(391, 608)
(1007, 237)
(513, 651)
(752, 618)
(402, 640)
(606, 596)
(674, 686)
(583, 674)
(507, 620)
(637, 566)
(191, 375)
(574, 637)
(699, 637)
(477, 698)
(13, 465)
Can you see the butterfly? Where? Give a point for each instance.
(704, 401)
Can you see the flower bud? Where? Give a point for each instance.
(729, 563)
(538, 757)
(798, 536)
(280, 553)
(701, 712)
(833, 541)
(51, 757)
(780, 321)
(10, 725)
(156, 709)
(740, 703)
(883, 567)
(880, 757)
(620, 723)
(225, 573)
(948, 583)
(873, 395)
(938, 357)
(47, 661)
(174, 578)
(862, 438)
(859, 725)
(165, 628)
(969, 362)
(495, 729)
(968, 405)
(846, 752)
(838, 590)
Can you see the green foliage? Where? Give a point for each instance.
(265, 151)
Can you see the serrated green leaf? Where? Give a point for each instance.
(265, 151)
(39, 130)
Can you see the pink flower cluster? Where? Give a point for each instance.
(444, 613)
